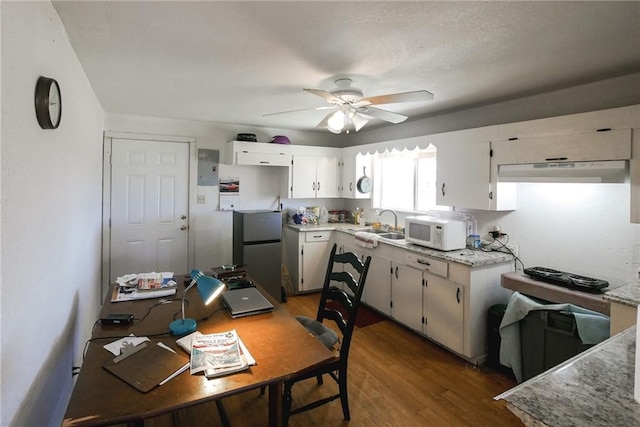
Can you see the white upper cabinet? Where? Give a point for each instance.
(258, 154)
(608, 144)
(314, 177)
(462, 177)
(352, 169)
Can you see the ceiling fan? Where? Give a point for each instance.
(350, 109)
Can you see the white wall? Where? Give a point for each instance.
(50, 220)
(579, 228)
(259, 186)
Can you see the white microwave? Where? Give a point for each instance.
(437, 233)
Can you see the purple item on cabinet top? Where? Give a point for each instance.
(281, 139)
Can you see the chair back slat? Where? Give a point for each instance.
(341, 294)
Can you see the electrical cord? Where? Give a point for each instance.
(503, 245)
(159, 334)
(117, 337)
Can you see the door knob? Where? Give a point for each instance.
(183, 227)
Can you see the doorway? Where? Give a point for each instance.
(146, 205)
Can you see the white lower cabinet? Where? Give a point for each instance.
(377, 289)
(445, 301)
(406, 296)
(306, 255)
(443, 309)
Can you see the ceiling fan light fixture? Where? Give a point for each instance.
(358, 121)
(336, 122)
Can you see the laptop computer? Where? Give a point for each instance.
(245, 302)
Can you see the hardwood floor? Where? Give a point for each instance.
(396, 378)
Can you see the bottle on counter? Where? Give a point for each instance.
(356, 216)
(361, 220)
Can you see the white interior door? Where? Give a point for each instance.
(149, 207)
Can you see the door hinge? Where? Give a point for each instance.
(491, 152)
(422, 321)
(391, 304)
(490, 195)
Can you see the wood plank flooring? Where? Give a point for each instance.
(396, 378)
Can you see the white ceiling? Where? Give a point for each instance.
(235, 61)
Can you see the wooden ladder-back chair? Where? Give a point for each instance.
(344, 292)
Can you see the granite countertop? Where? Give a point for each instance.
(472, 258)
(628, 294)
(594, 388)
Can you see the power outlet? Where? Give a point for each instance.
(202, 199)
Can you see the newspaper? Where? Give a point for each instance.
(217, 354)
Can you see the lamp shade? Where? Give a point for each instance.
(209, 289)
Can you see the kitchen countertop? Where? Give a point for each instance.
(628, 294)
(594, 388)
(472, 258)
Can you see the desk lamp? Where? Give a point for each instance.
(208, 288)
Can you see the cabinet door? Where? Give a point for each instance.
(262, 159)
(377, 288)
(444, 312)
(315, 257)
(348, 185)
(577, 147)
(327, 177)
(303, 177)
(406, 294)
(463, 175)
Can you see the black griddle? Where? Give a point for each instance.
(567, 280)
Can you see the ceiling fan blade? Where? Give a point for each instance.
(385, 115)
(415, 96)
(326, 95)
(327, 107)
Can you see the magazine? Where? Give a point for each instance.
(216, 354)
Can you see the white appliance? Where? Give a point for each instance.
(437, 233)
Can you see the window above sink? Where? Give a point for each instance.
(405, 180)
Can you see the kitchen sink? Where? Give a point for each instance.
(392, 236)
(385, 234)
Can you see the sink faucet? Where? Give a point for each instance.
(395, 216)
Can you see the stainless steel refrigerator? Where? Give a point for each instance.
(257, 243)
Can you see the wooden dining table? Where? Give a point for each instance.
(281, 346)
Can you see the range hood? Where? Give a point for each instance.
(612, 171)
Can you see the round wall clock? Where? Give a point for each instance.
(48, 103)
